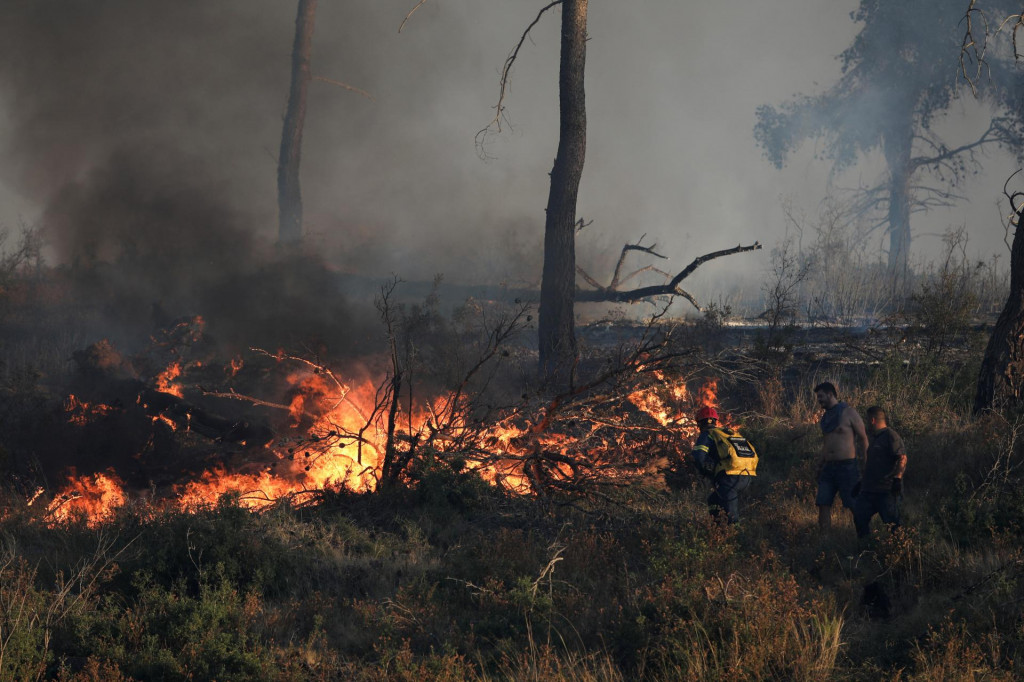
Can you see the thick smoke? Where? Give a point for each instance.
(175, 110)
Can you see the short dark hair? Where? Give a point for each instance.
(827, 387)
(876, 412)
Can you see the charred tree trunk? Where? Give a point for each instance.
(897, 148)
(1001, 380)
(289, 194)
(558, 284)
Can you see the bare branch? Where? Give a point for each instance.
(669, 289)
(969, 48)
(404, 21)
(590, 280)
(499, 108)
(646, 268)
(346, 86)
(622, 257)
(994, 133)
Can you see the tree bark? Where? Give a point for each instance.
(556, 322)
(1001, 380)
(289, 194)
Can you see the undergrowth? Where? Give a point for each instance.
(456, 581)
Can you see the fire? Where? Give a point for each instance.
(337, 433)
(165, 380)
(92, 497)
(708, 395)
(81, 412)
(310, 393)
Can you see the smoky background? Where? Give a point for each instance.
(143, 137)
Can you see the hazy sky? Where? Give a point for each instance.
(188, 97)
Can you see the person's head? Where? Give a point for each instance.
(877, 419)
(707, 417)
(826, 394)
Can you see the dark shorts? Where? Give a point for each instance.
(837, 477)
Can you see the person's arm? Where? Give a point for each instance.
(701, 454)
(899, 466)
(860, 437)
(899, 454)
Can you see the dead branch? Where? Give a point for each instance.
(506, 71)
(343, 389)
(346, 86)
(671, 288)
(970, 50)
(232, 395)
(413, 10)
(622, 257)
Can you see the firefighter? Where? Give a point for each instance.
(727, 459)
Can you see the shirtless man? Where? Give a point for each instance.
(844, 442)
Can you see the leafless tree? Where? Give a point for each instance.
(289, 193)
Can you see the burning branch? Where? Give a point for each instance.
(598, 435)
(612, 294)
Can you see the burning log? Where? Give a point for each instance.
(204, 422)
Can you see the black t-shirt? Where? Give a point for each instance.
(884, 449)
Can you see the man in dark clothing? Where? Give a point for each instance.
(881, 486)
(707, 459)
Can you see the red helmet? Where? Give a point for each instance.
(705, 413)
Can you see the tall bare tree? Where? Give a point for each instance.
(289, 192)
(558, 294)
(556, 322)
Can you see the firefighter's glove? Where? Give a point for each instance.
(856, 489)
(897, 486)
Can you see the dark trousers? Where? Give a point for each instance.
(725, 497)
(886, 505)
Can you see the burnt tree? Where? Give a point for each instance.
(556, 322)
(1001, 380)
(558, 294)
(289, 193)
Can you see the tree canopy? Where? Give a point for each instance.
(899, 76)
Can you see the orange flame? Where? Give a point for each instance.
(342, 439)
(708, 394)
(165, 380)
(81, 412)
(93, 497)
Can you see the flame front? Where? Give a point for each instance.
(93, 497)
(337, 434)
